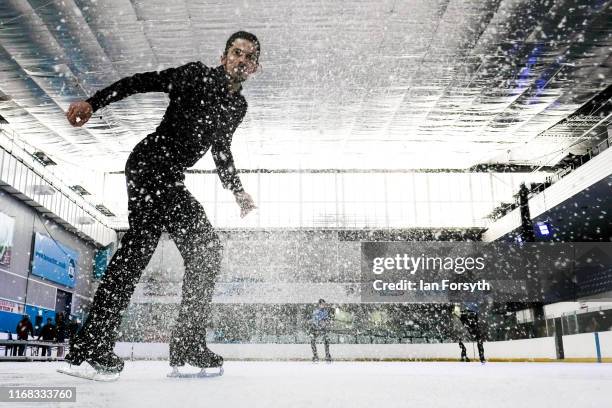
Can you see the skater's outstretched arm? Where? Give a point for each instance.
(222, 155)
(80, 112)
(226, 169)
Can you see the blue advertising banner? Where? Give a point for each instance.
(54, 261)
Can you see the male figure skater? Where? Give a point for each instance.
(205, 109)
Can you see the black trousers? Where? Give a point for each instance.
(158, 201)
(470, 321)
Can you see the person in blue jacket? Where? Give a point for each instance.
(319, 325)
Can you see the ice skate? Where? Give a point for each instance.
(207, 361)
(203, 373)
(105, 367)
(90, 373)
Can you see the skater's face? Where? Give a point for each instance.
(241, 60)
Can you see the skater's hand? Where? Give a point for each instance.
(79, 113)
(246, 203)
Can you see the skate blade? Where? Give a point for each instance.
(89, 374)
(201, 374)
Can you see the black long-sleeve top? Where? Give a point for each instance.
(202, 115)
(48, 332)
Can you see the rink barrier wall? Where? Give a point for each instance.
(584, 346)
(539, 349)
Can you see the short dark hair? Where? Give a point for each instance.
(244, 35)
(321, 301)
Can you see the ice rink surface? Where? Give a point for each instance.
(337, 385)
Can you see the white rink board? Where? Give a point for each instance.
(541, 348)
(583, 345)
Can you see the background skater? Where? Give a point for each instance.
(319, 324)
(467, 313)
